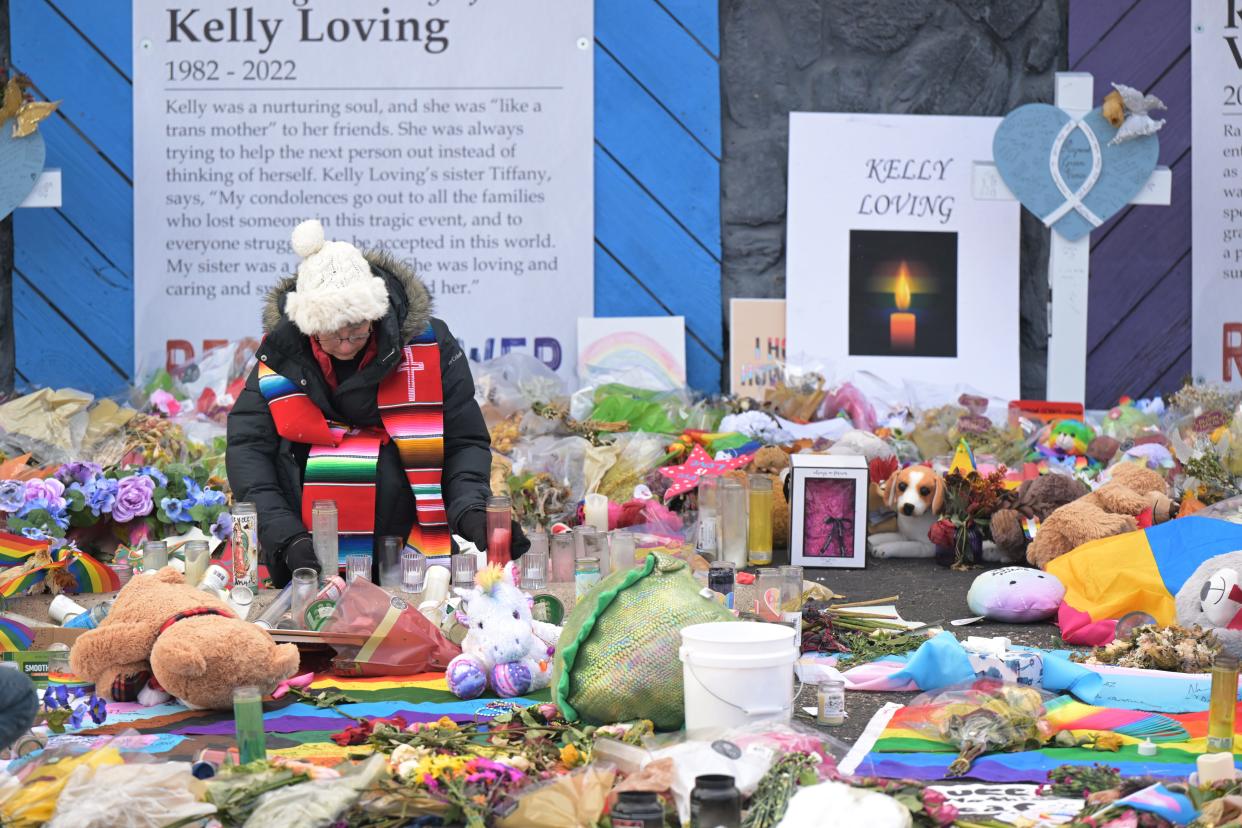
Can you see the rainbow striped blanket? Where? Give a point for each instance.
(905, 750)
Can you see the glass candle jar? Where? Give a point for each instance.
(276, 610)
(154, 555)
(245, 543)
(759, 514)
(791, 596)
(580, 533)
(123, 572)
(413, 571)
(768, 604)
(197, 557)
(241, 598)
(564, 552)
(586, 576)
(534, 564)
(248, 719)
(499, 530)
(596, 546)
(325, 537)
(305, 586)
(622, 548)
(357, 566)
(390, 548)
(464, 567)
(831, 697)
(720, 579)
(733, 533)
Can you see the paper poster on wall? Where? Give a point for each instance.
(893, 267)
(455, 135)
(652, 349)
(1216, 191)
(756, 345)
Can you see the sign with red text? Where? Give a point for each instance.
(893, 266)
(1216, 190)
(455, 134)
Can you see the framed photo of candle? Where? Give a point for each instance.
(893, 266)
(828, 511)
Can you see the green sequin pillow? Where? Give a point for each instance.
(617, 658)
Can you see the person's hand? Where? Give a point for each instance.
(474, 529)
(300, 552)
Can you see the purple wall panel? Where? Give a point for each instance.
(1139, 312)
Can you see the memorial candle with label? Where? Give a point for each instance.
(901, 330)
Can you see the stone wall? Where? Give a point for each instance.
(947, 57)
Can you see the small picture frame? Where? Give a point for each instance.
(828, 511)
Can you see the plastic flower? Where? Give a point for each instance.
(78, 471)
(48, 495)
(155, 474)
(133, 498)
(98, 710)
(178, 511)
(222, 529)
(165, 402)
(570, 756)
(100, 493)
(942, 533)
(12, 495)
(34, 533)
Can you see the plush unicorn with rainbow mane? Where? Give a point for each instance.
(505, 648)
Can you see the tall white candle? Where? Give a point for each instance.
(595, 512)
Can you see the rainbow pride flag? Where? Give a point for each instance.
(18, 576)
(14, 635)
(905, 749)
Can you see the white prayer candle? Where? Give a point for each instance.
(595, 512)
(1214, 767)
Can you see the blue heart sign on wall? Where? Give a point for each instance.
(1065, 171)
(21, 161)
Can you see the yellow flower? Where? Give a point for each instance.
(570, 756)
(446, 723)
(1107, 741)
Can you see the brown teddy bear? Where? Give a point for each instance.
(1110, 510)
(188, 641)
(1035, 500)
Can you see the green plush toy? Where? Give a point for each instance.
(617, 659)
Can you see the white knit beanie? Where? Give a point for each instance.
(335, 286)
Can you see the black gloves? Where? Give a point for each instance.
(300, 552)
(473, 527)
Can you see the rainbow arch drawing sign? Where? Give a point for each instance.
(651, 347)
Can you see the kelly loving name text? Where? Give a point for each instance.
(914, 205)
(240, 24)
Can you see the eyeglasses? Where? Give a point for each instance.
(356, 339)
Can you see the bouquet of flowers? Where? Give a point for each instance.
(985, 715)
(131, 503)
(970, 500)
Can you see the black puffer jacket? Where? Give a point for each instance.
(266, 469)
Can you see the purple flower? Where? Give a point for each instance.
(178, 511)
(49, 698)
(133, 498)
(12, 495)
(100, 494)
(34, 533)
(98, 709)
(49, 494)
(78, 471)
(222, 529)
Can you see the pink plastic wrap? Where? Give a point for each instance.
(377, 634)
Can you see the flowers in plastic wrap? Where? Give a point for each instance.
(981, 717)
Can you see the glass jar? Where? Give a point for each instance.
(715, 802)
(595, 545)
(622, 548)
(720, 579)
(759, 534)
(357, 566)
(390, 548)
(154, 555)
(831, 708)
(733, 534)
(791, 596)
(564, 552)
(305, 586)
(586, 576)
(197, 557)
(499, 530)
(464, 567)
(533, 566)
(768, 603)
(580, 532)
(325, 537)
(413, 571)
(245, 543)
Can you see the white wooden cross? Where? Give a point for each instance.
(1068, 261)
(46, 190)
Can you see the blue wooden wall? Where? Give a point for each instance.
(657, 183)
(1139, 313)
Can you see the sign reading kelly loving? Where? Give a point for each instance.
(455, 134)
(1216, 134)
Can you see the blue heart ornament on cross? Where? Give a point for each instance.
(21, 161)
(1065, 171)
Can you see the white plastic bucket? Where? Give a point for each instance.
(736, 673)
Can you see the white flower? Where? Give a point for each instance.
(406, 754)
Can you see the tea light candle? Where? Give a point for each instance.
(1214, 767)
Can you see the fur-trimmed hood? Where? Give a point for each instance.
(408, 298)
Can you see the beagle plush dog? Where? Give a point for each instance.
(916, 494)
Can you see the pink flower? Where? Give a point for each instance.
(50, 490)
(166, 403)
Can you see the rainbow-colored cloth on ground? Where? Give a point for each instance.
(299, 729)
(904, 750)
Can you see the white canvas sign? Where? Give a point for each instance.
(893, 267)
(456, 134)
(1216, 190)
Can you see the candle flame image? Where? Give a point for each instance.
(902, 293)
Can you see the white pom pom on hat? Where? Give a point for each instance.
(307, 238)
(335, 285)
